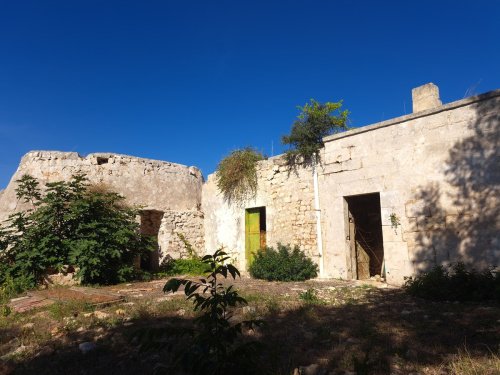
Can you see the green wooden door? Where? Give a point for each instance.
(252, 233)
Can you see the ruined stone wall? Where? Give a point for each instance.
(437, 171)
(288, 197)
(187, 223)
(170, 188)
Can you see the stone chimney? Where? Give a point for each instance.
(425, 97)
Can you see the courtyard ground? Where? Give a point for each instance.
(318, 327)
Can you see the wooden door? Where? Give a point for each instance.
(352, 245)
(252, 233)
(359, 258)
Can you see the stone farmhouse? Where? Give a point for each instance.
(388, 199)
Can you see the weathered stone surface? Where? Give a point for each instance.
(287, 195)
(172, 190)
(436, 170)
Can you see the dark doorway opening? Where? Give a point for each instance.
(255, 231)
(365, 236)
(150, 226)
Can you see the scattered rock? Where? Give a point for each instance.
(86, 347)
(248, 309)
(29, 326)
(101, 315)
(45, 351)
(181, 312)
(120, 312)
(313, 369)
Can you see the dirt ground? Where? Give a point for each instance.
(314, 327)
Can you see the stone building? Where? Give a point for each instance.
(168, 194)
(393, 198)
(388, 199)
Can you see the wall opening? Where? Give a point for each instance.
(101, 160)
(364, 236)
(255, 232)
(150, 226)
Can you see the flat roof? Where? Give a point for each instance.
(413, 116)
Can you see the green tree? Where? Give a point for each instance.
(214, 348)
(316, 121)
(71, 223)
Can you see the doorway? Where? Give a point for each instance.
(255, 232)
(150, 226)
(364, 236)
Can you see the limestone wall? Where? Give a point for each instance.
(437, 170)
(169, 188)
(187, 223)
(288, 197)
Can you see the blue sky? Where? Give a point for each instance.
(188, 82)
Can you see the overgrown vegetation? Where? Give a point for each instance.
(236, 175)
(213, 346)
(70, 223)
(191, 265)
(282, 264)
(455, 284)
(315, 121)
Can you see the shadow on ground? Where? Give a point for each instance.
(383, 332)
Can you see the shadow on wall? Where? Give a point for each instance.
(467, 227)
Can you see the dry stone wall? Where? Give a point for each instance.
(288, 197)
(187, 223)
(172, 190)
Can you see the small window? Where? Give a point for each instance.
(101, 161)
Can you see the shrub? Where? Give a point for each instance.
(315, 121)
(70, 224)
(283, 264)
(193, 267)
(213, 347)
(236, 175)
(455, 284)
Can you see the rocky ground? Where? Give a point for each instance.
(314, 327)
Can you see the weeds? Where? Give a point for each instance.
(455, 283)
(310, 297)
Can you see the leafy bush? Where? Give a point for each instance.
(455, 284)
(193, 266)
(283, 264)
(70, 223)
(310, 297)
(316, 121)
(236, 175)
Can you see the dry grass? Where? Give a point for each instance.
(348, 328)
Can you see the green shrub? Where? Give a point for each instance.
(315, 121)
(193, 267)
(71, 223)
(310, 297)
(283, 264)
(236, 175)
(216, 345)
(455, 283)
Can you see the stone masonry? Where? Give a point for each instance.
(288, 197)
(171, 190)
(435, 172)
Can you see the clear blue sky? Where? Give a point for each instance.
(190, 81)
